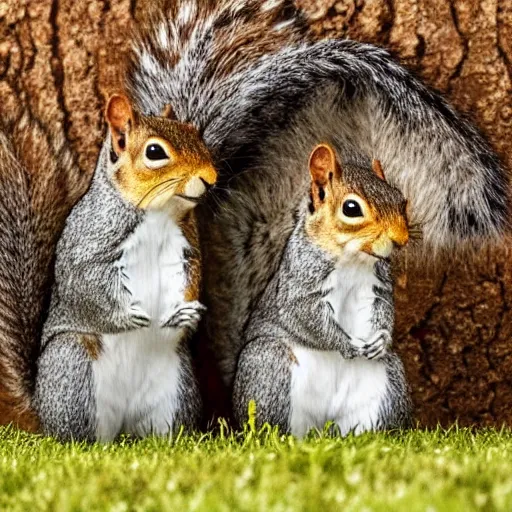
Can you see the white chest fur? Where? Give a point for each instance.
(137, 373)
(351, 295)
(326, 387)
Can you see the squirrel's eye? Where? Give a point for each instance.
(352, 209)
(156, 152)
(156, 155)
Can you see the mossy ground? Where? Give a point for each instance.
(419, 470)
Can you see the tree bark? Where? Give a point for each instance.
(61, 58)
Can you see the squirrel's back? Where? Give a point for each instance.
(40, 181)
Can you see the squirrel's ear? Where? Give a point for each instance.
(120, 118)
(322, 166)
(377, 169)
(322, 163)
(168, 112)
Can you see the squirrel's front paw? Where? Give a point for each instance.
(376, 346)
(187, 316)
(138, 317)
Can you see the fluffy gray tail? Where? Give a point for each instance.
(197, 55)
(39, 183)
(242, 72)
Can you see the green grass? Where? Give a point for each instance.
(416, 471)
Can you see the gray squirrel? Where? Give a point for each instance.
(114, 354)
(317, 346)
(262, 93)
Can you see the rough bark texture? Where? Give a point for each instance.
(60, 58)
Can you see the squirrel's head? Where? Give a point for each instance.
(156, 162)
(353, 208)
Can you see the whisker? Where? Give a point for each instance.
(163, 191)
(232, 174)
(416, 235)
(170, 181)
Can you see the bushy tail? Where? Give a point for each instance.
(357, 95)
(243, 72)
(39, 183)
(195, 54)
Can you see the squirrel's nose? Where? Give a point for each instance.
(208, 176)
(207, 186)
(399, 236)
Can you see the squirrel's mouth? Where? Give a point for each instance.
(373, 254)
(382, 258)
(194, 200)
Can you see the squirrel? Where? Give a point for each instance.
(249, 76)
(114, 353)
(317, 344)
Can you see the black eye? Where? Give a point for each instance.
(156, 152)
(352, 208)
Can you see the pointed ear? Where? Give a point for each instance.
(168, 112)
(322, 166)
(120, 118)
(377, 169)
(322, 163)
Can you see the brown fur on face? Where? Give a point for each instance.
(145, 186)
(383, 223)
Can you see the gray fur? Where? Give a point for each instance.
(89, 294)
(292, 311)
(64, 394)
(396, 411)
(188, 413)
(292, 307)
(264, 375)
(92, 295)
(335, 88)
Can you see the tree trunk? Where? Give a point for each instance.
(60, 58)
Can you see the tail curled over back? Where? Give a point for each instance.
(39, 183)
(243, 72)
(199, 54)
